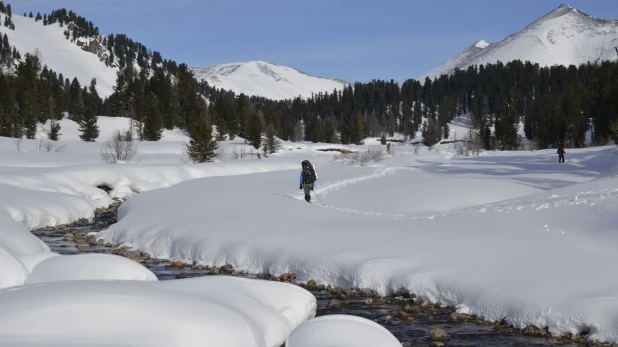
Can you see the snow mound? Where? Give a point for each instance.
(89, 267)
(31, 260)
(341, 331)
(12, 271)
(259, 78)
(136, 313)
(564, 36)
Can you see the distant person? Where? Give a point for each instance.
(307, 178)
(388, 147)
(561, 153)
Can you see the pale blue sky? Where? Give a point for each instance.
(356, 40)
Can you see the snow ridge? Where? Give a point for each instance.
(564, 36)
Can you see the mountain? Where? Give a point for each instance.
(72, 46)
(264, 79)
(564, 36)
(62, 55)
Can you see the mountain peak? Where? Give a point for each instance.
(481, 44)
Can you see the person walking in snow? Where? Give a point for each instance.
(307, 179)
(561, 153)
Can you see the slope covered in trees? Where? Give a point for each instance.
(553, 104)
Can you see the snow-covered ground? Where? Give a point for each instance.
(510, 235)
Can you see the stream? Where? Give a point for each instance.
(407, 318)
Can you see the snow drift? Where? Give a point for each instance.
(88, 267)
(179, 313)
(341, 331)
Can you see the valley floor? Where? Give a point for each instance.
(512, 236)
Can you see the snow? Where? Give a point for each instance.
(341, 331)
(88, 267)
(481, 44)
(564, 36)
(499, 207)
(108, 126)
(511, 235)
(259, 78)
(60, 54)
(13, 271)
(32, 260)
(209, 311)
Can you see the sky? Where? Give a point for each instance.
(355, 40)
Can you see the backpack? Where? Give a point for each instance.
(313, 175)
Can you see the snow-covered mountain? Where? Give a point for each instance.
(84, 59)
(264, 79)
(564, 36)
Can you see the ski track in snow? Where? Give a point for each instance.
(334, 186)
(554, 201)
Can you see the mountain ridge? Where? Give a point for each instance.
(564, 36)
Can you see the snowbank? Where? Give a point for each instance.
(13, 271)
(51, 196)
(341, 331)
(31, 260)
(89, 267)
(177, 313)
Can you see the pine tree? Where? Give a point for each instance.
(75, 98)
(30, 15)
(202, 147)
(54, 130)
(254, 130)
(272, 144)
(88, 126)
(153, 123)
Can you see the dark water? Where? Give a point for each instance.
(416, 331)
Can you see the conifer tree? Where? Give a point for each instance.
(272, 144)
(54, 130)
(254, 130)
(202, 147)
(153, 123)
(88, 126)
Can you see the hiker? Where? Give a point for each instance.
(561, 153)
(307, 178)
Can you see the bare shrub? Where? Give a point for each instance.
(372, 154)
(49, 146)
(18, 143)
(119, 148)
(239, 152)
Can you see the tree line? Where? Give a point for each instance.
(551, 105)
